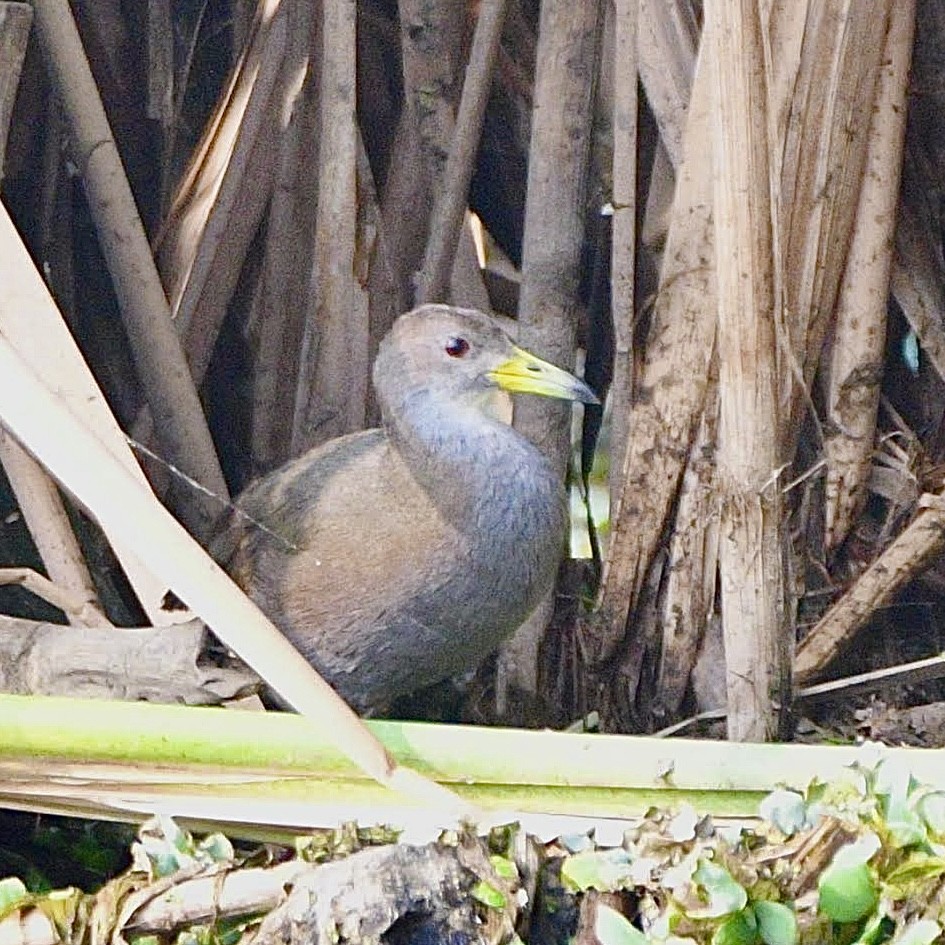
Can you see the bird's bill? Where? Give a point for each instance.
(524, 373)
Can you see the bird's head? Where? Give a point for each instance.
(464, 355)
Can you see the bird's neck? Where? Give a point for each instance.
(480, 472)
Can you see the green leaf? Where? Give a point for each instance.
(724, 896)
(847, 889)
(488, 895)
(777, 924)
(606, 870)
(12, 893)
(611, 928)
(915, 869)
(738, 929)
(504, 867)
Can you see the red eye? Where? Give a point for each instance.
(457, 347)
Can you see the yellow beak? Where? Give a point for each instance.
(524, 373)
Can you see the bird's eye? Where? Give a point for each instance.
(457, 347)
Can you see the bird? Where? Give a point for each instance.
(400, 556)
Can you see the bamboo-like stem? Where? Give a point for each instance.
(334, 366)
(750, 552)
(908, 556)
(15, 22)
(159, 359)
(75, 604)
(446, 221)
(669, 39)
(36, 495)
(568, 54)
(675, 374)
(860, 320)
(212, 764)
(624, 225)
(31, 412)
(30, 322)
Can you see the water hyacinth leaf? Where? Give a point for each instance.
(605, 870)
(488, 895)
(611, 928)
(847, 889)
(504, 867)
(723, 895)
(920, 932)
(12, 893)
(786, 810)
(738, 929)
(777, 924)
(917, 868)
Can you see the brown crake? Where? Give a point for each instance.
(396, 557)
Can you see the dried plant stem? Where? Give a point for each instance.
(31, 323)
(568, 53)
(46, 518)
(76, 606)
(179, 421)
(335, 365)
(446, 220)
(750, 556)
(675, 374)
(624, 202)
(223, 195)
(669, 39)
(36, 494)
(903, 560)
(15, 22)
(860, 320)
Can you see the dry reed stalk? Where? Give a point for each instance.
(751, 571)
(283, 294)
(623, 225)
(824, 131)
(674, 374)
(331, 398)
(159, 359)
(568, 53)
(32, 325)
(669, 40)
(909, 554)
(692, 565)
(859, 334)
(36, 495)
(449, 209)
(15, 22)
(221, 199)
(45, 515)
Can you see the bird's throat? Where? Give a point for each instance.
(480, 473)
